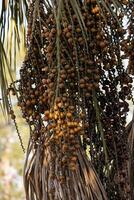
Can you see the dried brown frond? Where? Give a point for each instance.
(130, 131)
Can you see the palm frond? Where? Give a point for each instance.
(81, 183)
(130, 131)
(12, 28)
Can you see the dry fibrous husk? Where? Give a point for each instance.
(130, 130)
(80, 184)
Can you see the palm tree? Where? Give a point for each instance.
(73, 93)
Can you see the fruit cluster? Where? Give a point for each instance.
(74, 87)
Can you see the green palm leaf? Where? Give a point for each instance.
(12, 29)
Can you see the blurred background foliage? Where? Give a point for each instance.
(12, 158)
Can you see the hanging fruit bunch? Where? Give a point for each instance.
(73, 93)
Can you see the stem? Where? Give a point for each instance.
(100, 128)
(58, 17)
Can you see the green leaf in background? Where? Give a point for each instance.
(13, 23)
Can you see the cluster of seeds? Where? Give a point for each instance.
(64, 131)
(74, 87)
